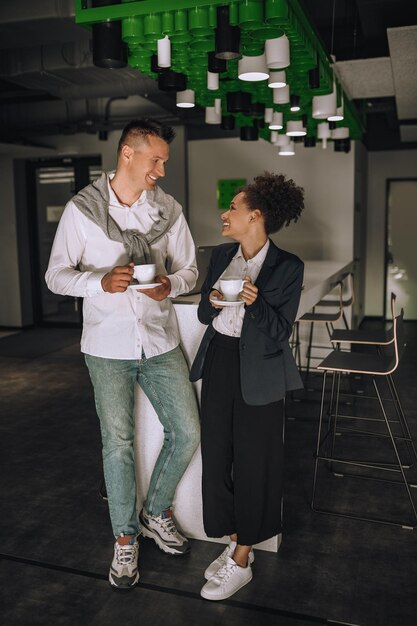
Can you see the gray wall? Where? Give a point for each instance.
(381, 166)
(10, 312)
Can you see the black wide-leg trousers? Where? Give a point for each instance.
(242, 452)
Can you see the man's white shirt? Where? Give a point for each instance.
(121, 325)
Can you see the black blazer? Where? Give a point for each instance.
(267, 366)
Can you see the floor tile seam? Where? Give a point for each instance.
(179, 592)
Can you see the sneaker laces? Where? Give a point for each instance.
(167, 524)
(223, 574)
(126, 555)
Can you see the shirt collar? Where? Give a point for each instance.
(258, 259)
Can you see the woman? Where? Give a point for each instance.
(247, 367)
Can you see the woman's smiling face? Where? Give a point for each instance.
(236, 220)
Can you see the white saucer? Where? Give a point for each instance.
(226, 302)
(138, 286)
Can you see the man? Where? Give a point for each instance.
(131, 336)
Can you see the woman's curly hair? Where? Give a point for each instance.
(279, 200)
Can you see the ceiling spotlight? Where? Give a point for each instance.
(185, 99)
(252, 68)
(342, 145)
(277, 52)
(274, 136)
(276, 122)
(332, 125)
(257, 109)
(295, 129)
(288, 150)
(295, 103)
(277, 79)
(154, 64)
(268, 114)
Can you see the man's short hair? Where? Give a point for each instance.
(141, 129)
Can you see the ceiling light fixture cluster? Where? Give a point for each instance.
(254, 64)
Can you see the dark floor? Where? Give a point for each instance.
(56, 540)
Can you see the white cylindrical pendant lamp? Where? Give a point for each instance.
(340, 133)
(164, 52)
(212, 117)
(323, 133)
(277, 79)
(274, 136)
(268, 115)
(212, 81)
(295, 128)
(340, 115)
(276, 122)
(185, 99)
(324, 107)
(281, 95)
(288, 150)
(253, 68)
(277, 52)
(218, 106)
(282, 140)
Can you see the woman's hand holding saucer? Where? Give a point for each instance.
(214, 293)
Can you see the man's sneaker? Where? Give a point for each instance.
(227, 580)
(163, 531)
(124, 568)
(221, 560)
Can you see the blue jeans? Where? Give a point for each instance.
(164, 379)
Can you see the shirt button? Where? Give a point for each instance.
(139, 319)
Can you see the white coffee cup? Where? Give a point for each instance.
(144, 274)
(231, 288)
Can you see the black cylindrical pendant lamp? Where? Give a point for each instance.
(314, 76)
(238, 102)
(257, 109)
(259, 122)
(154, 64)
(172, 81)
(342, 145)
(227, 37)
(228, 122)
(332, 125)
(249, 133)
(109, 50)
(309, 142)
(216, 65)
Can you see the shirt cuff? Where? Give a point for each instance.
(175, 286)
(94, 286)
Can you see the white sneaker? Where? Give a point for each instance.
(163, 531)
(124, 568)
(221, 560)
(228, 579)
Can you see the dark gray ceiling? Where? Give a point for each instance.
(49, 85)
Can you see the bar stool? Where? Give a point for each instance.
(328, 319)
(348, 297)
(380, 365)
